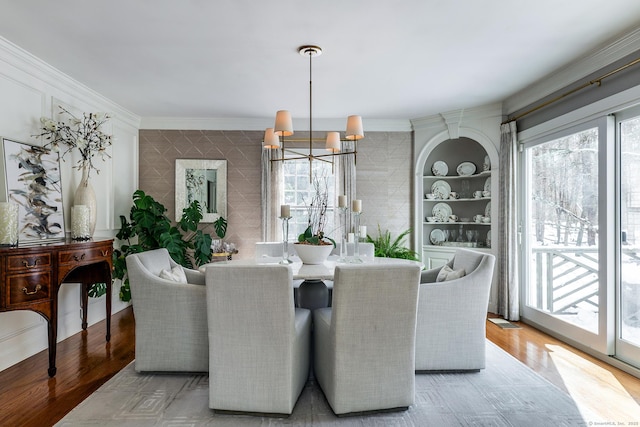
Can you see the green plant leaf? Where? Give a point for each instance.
(191, 217)
(220, 225)
(384, 247)
(97, 290)
(125, 291)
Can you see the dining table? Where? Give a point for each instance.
(313, 283)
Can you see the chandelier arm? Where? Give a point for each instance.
(354, 130)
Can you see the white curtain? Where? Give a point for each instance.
(272, 196)
(347, 180)
(508, 250)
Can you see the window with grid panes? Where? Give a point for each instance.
(298, 191)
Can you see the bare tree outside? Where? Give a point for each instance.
(564, 228)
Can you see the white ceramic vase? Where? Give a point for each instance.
(85, 195)
(313, 254)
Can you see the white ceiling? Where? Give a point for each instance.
(382, 60)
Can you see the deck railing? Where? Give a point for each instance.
(565, 278)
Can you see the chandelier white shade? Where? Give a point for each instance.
(333, 142)
(283, 127)
(271, 140)
(354, 128)
(284, 124)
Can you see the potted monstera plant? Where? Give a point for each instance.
(148, 228)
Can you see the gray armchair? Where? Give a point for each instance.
(364, 346)
(171, 317)
(259, 342)
(451, 327)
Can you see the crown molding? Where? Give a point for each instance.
(574, 71)
(31, 65)
(260, 124)
(455, 119)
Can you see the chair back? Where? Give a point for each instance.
(153, 261)
(366, 249)
(252, 301)
(467, 259)
(374, 312)
(271, 249)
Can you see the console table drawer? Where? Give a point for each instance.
(28, 262)
(84, 256)
(26, 288)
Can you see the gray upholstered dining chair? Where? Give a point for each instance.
(452, 313)
(259, 342)
(364, 346)
(171, 317)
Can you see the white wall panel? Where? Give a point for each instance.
(29, 89)
(17, 104)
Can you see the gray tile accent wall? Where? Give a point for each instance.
(384, 179)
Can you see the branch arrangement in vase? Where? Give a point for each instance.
(317, 215)
(83, 134)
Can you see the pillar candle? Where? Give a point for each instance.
(356, 205)
(80, 229)
(363, 231)
(8, 224)
(285, 211)
(351, 238)
(342, 201)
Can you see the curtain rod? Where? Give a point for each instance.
(597, 81)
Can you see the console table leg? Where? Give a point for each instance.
(84, 303)
(53, 334)
(108, 297)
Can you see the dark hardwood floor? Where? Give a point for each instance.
(85, 361)
(28, 397)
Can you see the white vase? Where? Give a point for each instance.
(86, 196)
(313, 254)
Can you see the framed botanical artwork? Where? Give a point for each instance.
(205, 181)
(32, 181)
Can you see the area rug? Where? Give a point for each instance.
(506, 393)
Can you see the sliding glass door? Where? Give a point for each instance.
(565, 237)
(628, 302)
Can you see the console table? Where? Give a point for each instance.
(31, 276)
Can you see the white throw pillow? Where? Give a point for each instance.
(176, 274)
(447, 273)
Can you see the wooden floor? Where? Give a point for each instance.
(28, 397)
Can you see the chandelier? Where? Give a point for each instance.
(333, 143)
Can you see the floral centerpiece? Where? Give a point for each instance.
(82, 134)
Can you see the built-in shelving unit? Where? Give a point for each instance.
(455, 204)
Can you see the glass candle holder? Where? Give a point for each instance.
(80, 222)
(8, 224)
(356, 243)
(343, 232)
(285, 240)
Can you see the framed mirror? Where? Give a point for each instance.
(205, 181)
